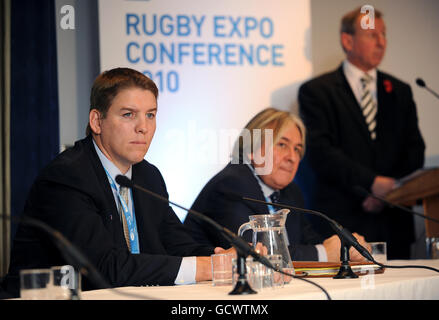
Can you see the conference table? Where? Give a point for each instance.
(393, 284)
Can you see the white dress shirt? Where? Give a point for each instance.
(354, 75)
(188, 268)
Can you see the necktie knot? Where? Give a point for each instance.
(275, 196)
(365, 80)
(124, 194)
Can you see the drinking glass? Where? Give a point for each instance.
(35, 284)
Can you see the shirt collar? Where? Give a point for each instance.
(266, 190)
(112, 170)
(354, 73)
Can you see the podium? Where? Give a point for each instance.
(423, 186)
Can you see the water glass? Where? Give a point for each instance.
(432, 248)
(222, 268)
(379, 251)
(35, 284)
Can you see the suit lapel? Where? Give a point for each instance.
(109, 202)
(385, 105)
(253, 190)
(142, 204)
(347, 96)
(294, 219)
(103, 179)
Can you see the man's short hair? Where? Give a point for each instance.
(109, 83)
(271, 119)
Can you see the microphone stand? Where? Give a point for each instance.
(345, 271)
(69, 252)
(74, 257)
(344, 234)
(242, 286)
(346, 239)
(242, 248)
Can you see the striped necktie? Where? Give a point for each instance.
(124, 194)
(368, 106)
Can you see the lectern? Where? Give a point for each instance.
(422, 186)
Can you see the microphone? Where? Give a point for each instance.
(421, 83)
(360, 191)
(71, 254)
(241, 246)
(343, 233)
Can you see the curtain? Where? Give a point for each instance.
(5, 190)
(34, 127)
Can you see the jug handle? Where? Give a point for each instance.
(243, 228)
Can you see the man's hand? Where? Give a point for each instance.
(332, 246)
(204, 265)
(221, 250)
(353, 253)
(381, 187)
(370, 204)
(204, 269)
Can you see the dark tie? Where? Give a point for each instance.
(275, 196)
(368, 106)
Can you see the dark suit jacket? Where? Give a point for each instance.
(341, 154)
(238, 179)
(72, 195)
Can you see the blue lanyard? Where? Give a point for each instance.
(130, 217)
(270, 207)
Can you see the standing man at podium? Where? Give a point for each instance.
(363, 131)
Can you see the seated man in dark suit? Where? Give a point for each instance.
(131, 238)
(248, 175)
(362, 131)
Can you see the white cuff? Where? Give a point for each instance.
(187, 272)
(321, 253)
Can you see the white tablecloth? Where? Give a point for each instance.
(395, 284)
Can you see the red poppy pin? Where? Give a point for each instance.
(388, 86)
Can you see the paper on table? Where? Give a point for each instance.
(329, 269)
